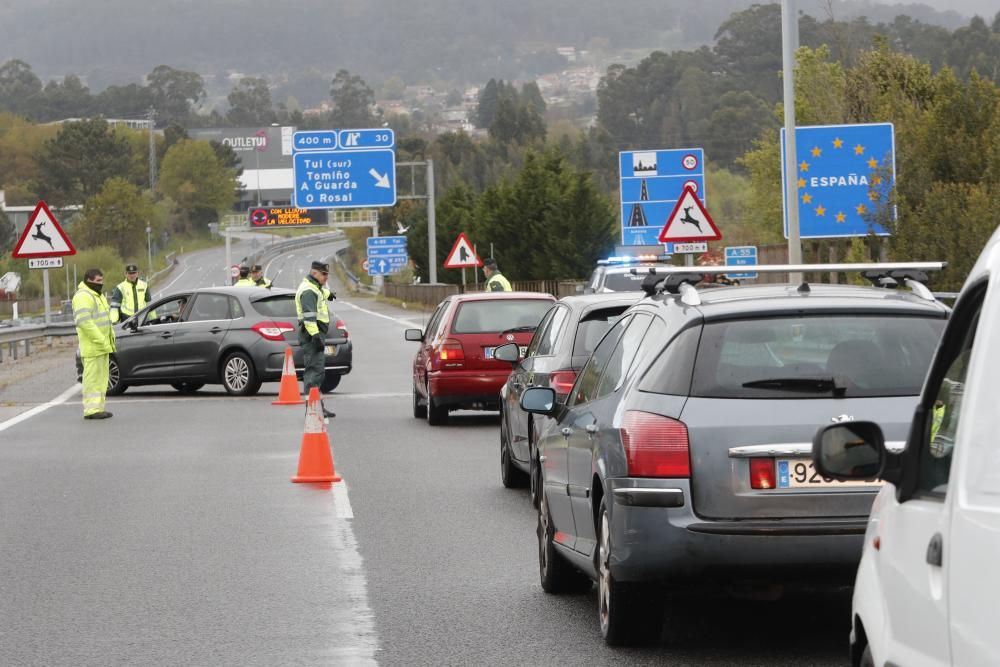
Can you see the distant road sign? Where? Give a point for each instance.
(45, 263)
(287, 216)
(845, 173)
(345, 179)
(386, 254)
(741, 255)
(689, 222)
(315, 140)
(383, 241)
(382, 137)
(42, 236)
(380, 266)
(234, 271)
(651, 182)
(462, 254)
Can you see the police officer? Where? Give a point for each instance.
(314, 321)
(495, 281)
(129, 296)
(92, 316)
(244, 280)
(257, 276)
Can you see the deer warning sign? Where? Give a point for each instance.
(689, 221)
(43, 237)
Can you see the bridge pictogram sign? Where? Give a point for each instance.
(689, 221)
(462, 254)
(42, 236)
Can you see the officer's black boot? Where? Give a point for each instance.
(326, 413)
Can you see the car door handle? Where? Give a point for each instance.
(566, 431)
(592, 429)
(215, 329)
(935, 550)
(166, 334)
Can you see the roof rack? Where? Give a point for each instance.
(888, 275)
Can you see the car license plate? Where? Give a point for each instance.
(488, 351)
(331, 349)
(801, 473)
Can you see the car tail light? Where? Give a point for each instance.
(340, 326)
(451, 350)
(562, 381)
(762, 474)
(273, 330)
(655, 446)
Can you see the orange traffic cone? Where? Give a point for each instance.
(315, 459)
(288, 392)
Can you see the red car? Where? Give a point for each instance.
(454, 368)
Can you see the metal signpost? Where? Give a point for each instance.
(386, 254)
(741, 255)
(41, 240)
(651, 182)
(844, 173)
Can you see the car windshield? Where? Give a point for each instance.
(280, 305)
(815, 357)
(625, 282)
(489, 316)
(592, 328)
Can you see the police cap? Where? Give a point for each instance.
(490, 262)
(256, 267)
(131, 268)
(320, 266)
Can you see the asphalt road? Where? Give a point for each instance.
(172, 535)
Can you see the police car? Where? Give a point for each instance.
(623, 273)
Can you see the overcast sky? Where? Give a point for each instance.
(985, 8)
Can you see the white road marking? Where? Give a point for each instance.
(124, 400)
(409, 323)
(341, 503)
(167, 286)
(38, 409)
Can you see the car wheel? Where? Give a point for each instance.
(330, 382)
(419, 411)
(616, 602)
(115, 385)
(511, 476)
(534, 476)
(187, 387)
(436, 414)
(238, 375)
(554, 572)
(866, 658)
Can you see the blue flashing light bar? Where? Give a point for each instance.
(633, 259)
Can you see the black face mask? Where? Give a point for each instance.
(97, 287)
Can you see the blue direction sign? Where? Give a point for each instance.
(845, 175)
(345, 179)
(651, 182)
(743, 255)
(315, 140)
(382, 137)
(386, 254)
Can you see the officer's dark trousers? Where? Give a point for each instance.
(314, 362)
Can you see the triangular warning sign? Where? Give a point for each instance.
(43, 237)
(462, 255)
(689, 221)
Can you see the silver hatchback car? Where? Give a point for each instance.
(682, 454)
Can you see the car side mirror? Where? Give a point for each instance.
(415, 335)
(850, 451)
(511, 352)
(540, 401)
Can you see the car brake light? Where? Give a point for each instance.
(451, 350)
(339, 324)
(273, 330)
(762, 474)
(655, 446)
(562, 381)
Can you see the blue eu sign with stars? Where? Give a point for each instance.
(651, 182)
(845, 174)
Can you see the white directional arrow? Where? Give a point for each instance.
(381, 265)
(381, 180)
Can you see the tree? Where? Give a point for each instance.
(61, 100)
(21, 144)
(201, 186)
(124, 101)
(353, 101)
(117, 217)
(76, 162)
(175, 93)
(7, 235)
(250, 103)
(18, 86)
(489, 99)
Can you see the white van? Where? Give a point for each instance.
(928, 586)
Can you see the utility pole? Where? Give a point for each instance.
(150, 115)
(431, 222)
(789, 45)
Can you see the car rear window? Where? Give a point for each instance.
(815, 357)
(489, 316)
(624, 282)
(592, 328)
(279, 305)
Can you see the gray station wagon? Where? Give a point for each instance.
(682, 455)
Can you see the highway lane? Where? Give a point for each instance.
(170, 534)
